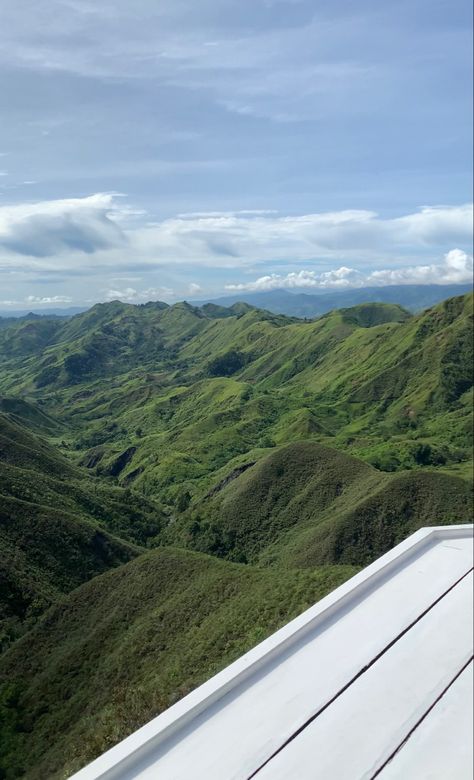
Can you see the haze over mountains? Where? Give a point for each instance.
(178, 481)
(299, 303)
(296, 303)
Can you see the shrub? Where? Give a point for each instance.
(227, 364)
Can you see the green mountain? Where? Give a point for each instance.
(178, 481)
(58, 528)
(305, 505)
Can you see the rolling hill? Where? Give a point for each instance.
(57, 527)
(306, 504)
(127, 644)
(178, 481)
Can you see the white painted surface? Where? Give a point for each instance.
(355, 736)
(442, 747)
(230, 725)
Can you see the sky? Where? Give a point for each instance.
(174, 149)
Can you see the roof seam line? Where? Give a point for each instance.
(420, 720)
(361, 671)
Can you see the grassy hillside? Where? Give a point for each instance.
(37, 472)
(58, 526)
(46, 552)
(306, 504)
(289, 486)
(193, 395)
(367, 315)
(364, 531)
(127, 644)
(262, 457)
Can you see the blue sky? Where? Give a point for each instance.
(181, 149)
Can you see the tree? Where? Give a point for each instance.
(184, 500)
(227, 364)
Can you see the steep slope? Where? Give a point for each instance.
(57, 527)
(34, 471)
(127, 644)
(102, 341)
(394, 394)
(307, 504)
(362, 528)
(20, 447)
(19, 411)
(45, 552)
(28, 335)
(289, 486)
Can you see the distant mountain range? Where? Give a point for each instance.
(68, 312)
(414, 297)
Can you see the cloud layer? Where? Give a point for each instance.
(457, 267)
(131, 295)
(263, 138)
(56, 227)
(66, 228)
(100, 237)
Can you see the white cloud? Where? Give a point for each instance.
(49, 228)
(194, 289)
(48, 299)
(38, 300)
(239, 213)
(436, 224)
(232, 239)
(130, 295)
(456, 267)
(102, 233)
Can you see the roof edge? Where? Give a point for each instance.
(175, 717)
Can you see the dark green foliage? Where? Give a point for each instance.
(226, 365)
(126, 645)
(10, 727)
(57, 525)
(45, 552)
(47, 376)
(388, 516)
(119, 463)
(368, 315)
(80, 364)
(184, 499)
(306, 504)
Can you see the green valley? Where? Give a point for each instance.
(176, 482)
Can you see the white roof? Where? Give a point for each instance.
(375, 680)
